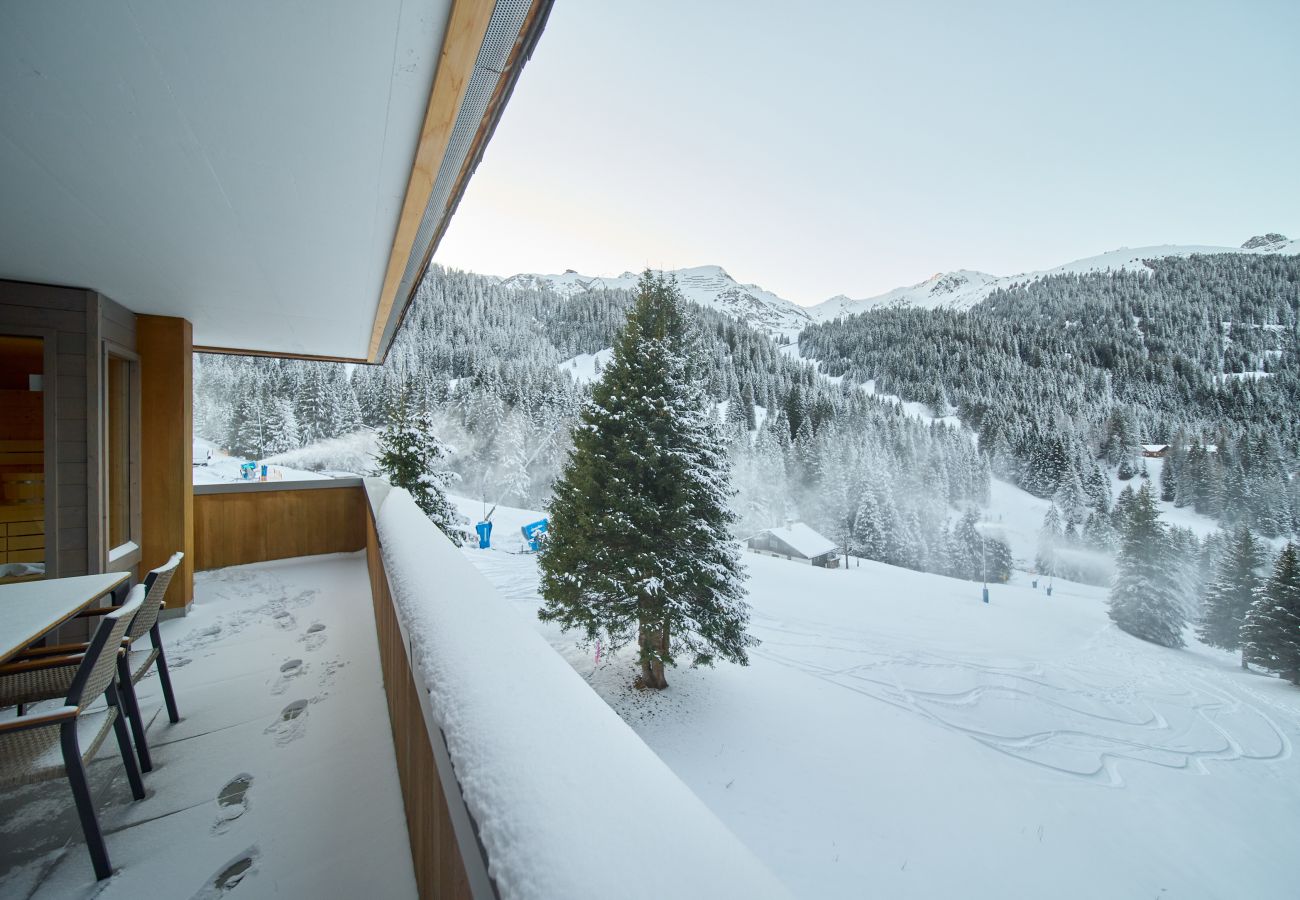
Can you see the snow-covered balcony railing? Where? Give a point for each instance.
(519, 781)
(250, 522)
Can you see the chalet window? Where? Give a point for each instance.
(22, 458)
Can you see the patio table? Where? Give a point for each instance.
(32, 609)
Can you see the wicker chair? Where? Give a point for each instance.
(49, 745)
(133, 665)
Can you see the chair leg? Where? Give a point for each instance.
(85, 806)
(126, 692)
(124, 744)
(164, 677)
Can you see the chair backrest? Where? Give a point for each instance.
(155, 585)
(100, 662)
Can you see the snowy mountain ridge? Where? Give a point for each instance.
(963, 288)
(708, 286)
(713, 287)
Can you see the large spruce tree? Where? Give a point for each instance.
(410, 457)
(1271, 635)
(639, 546)
(1230, 597)
(1145, 600)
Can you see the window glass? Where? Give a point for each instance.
(22, 458)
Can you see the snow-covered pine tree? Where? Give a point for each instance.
(1271, 635)
(999, 560)
(639, 546)
(410, 457)
(1232, 594)
(1168, 481)
(966, 548)
(1049, 541)
(1145, 600)
(282, 426)
(253, 415)
(747, 402)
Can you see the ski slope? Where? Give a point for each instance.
(895, 737)
(342, 457)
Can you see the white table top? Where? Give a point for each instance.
(32, 608)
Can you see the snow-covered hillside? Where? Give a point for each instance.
(893, 732)
(586, 367)
(709, 286)
(962, 289)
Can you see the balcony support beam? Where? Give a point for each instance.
(166, 348)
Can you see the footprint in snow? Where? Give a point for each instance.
(283, 619)
(232, 802)
(331, 670)
(289, 670)
(200, 637)
(230, 876)
(290, 725)
(314, 637)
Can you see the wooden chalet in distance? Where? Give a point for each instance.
(798, 542)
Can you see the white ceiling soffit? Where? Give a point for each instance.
(240, 164)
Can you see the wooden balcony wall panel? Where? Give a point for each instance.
(439, 868)
(232, 529)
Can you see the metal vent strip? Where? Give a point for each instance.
(503, 37)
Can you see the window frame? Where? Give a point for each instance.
(126, 555)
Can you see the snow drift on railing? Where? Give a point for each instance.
(569, 801)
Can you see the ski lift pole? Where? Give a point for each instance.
(984, 565)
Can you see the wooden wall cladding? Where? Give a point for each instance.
(439, 868)
(237, 528)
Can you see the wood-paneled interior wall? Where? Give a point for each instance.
(231, 529)
(166, 348)
(439, 869)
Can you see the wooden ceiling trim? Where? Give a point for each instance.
(460, 47)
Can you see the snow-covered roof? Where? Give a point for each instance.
(803, 539)
(1154, 448)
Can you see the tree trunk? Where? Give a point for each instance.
(654, 646)
(1243, 659)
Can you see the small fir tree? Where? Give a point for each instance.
(1049, 540)
(1145, 599)
(1230, 597)
(1168, 481)
(410, 457)
(1271, 635)
(638, 546)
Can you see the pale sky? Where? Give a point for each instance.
(853, 147)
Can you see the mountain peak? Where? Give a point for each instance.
(709, 286)
(1264, 240)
